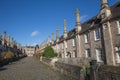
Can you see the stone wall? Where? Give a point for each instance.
(104, 72)
(75, 61)
(73, 71)
(108, 73)
(46, 60)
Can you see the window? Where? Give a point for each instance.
(86, 36)
(117, 49)
(87, 52)
(99, 55)
(97, 34)
(75, 54)
(118, 26)
(74, 41)
(62, 46)
(65, 44)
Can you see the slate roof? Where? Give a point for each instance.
(61, 38)
(115, 10)
(71, 33)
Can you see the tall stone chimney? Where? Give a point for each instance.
(48, 41)
(104, 3)
(78, 25)
(8, 41)
(65, 31)
(57, 35)
(105, 11)
(4, 37)
(52, 38)
(12, 43)
(12, 39)
(4, 34)
(0, 37)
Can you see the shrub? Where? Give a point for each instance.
(49, 52)
(7, 54)
(38, 55)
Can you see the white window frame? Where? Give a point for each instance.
(73, 42)
(118, 26)
(65, 44)
(95, 35)
(62, 46)
(99, 55)
(117, 54)
(86, 36)
(87, 53)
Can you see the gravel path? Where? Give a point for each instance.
(29, 69)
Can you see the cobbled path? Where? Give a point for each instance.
(29, 69)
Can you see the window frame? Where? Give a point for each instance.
(65, 44)
(118, 26)
(62, 46)
(74, 42)
(87, 53)
(99, 54)
(117, 50)
(95, 35)
(86, 37)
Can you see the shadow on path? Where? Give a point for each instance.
(2, 68)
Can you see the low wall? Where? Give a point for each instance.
(108, 73)
(68, 66)
(97, 71)
(71, 70)
(46, 60)
(75, 61)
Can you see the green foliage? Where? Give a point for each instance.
(86, 70)
(7, 54)
(49, 52)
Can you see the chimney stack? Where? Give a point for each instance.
(78, 25)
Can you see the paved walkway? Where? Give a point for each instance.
(29, 69)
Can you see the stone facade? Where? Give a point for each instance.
(96, 39)
(6, 44)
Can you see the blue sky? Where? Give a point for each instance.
(32, 21)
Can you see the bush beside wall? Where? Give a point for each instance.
(49, 52)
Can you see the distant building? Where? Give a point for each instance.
(29, 50)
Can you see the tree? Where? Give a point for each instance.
(49, 52)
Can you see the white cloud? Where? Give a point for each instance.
(34, 33)
(83, 17)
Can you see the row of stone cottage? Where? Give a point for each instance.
(6, 43)
(96, 39)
